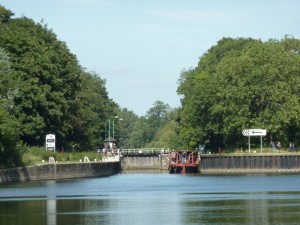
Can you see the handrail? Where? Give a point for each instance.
(190, 159)
(145, 151)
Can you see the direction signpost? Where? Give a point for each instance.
(255, 132)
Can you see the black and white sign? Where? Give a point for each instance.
(254, 132)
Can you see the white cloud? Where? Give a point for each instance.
(151, 86)
(88, 2)
(196, 16)
(117, 70)
(155, 28)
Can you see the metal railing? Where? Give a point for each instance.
(141, 151)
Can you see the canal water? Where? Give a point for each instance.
(154, 198)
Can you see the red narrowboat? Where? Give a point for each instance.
(183, 161)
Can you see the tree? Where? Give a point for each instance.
(138, 136)
(55, 94)
(127, 130)
(50, 78)
(5, 15)
(157, 116)
(166, 137)
(10, 154)
(90, 113)
(241, 84)
(266, 96)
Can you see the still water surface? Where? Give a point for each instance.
(154, 198)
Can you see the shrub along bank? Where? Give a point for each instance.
(37, 155)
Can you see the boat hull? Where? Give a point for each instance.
(183, 168)
(183, 161)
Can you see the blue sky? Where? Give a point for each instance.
(141, 47)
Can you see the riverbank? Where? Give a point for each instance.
(57, 171)
(274, 163)
(246, 163)
(250, 163)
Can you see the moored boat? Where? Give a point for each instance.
(183, 161)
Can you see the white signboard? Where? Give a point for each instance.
(254, 132)
(50, 142)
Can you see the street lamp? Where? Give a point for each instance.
(113, 120)
(114, 125)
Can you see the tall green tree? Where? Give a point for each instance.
(157, 117)
(55, 94)
(10, 154)
(139, 136)
(265, 96)
(241, 84)
(90, 113)
(127, 130)
(50, 77)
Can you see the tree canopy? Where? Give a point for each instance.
(9, 135)
(54, 93)
(241, 84)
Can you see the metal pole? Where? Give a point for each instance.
(249, 142)
(105, 131)
(116, 117)
(109, 133)
(260, 144)
(113, 128)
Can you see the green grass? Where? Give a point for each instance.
(36, 155)
(255, 150)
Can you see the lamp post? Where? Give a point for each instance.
(113, 128)
(114, 125)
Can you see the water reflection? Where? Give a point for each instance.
(51, 211)
(246, 211)
(153, 199)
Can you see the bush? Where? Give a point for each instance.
(35, 155)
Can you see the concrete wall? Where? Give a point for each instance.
(140, 162)
(59, 171)
(145, 162)
(260, 163)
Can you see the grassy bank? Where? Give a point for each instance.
(256, 150)
(36, 155)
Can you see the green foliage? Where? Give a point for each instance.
(241, 84)
(9, 139)
(9, 136)
(138, 136)
(50, 77)
(127, 129)
(5, 15)
(90, 112)
(53, 93)
(157, 117)
(158, 129)
(166, 137)
(36, 155)
(8, 82)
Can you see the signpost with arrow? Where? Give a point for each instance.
(255, 132)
